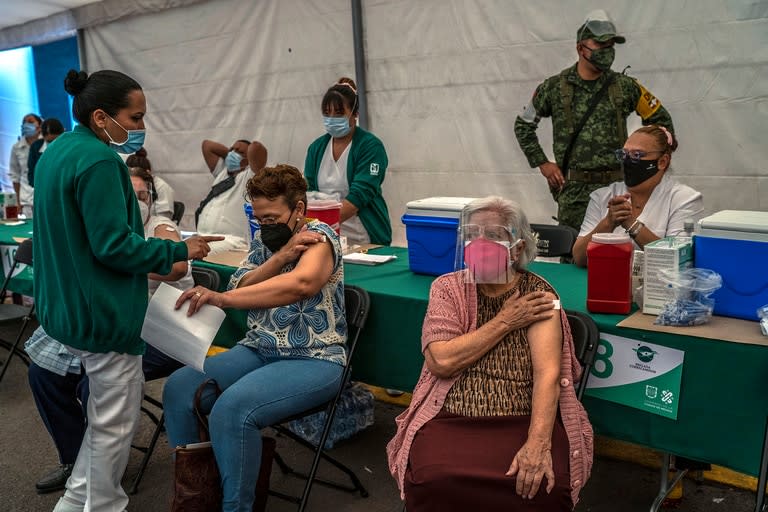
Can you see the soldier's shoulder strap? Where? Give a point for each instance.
(590, 108)
(566, 96)
(616, 97)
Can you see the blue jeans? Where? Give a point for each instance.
(257, 392)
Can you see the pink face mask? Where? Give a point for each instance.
(487, 261)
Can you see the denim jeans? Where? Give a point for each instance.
(257, 392)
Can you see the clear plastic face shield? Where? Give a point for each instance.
(486, 248)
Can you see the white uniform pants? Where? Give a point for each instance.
(116, 390)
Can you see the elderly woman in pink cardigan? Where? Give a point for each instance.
(494, 423)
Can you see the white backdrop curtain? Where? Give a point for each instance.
(446, 79)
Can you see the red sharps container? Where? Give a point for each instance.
(609, 273)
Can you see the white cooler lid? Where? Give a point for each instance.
(736, 224)
(438, 206)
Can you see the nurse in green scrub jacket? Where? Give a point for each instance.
(91, 266)
(350, 163)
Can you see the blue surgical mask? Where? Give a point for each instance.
(233, 161)
(28, 129)
(336, 126)
(133, 142)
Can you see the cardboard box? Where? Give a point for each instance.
(735, 245)
(662, 254)
(431, 227)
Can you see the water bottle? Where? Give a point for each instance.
(253, 224)
(686, 237)
(355, 412)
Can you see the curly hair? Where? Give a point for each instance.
(282, 180)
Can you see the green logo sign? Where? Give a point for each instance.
(645, 354)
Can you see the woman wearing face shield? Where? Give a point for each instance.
(291, 358)
(494, 423)
(350, 163)
(158, 226)
(648, 204)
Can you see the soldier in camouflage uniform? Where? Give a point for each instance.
(565, 97)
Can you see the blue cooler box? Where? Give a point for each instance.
(431, 227)
(735, 245)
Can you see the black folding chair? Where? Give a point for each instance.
(13, 312)
(178, 211)
(357, 306)
(586, 338)
(206, 277)
(210, 279)
(554, 240)
(762, 475)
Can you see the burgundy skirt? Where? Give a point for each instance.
(458, 463)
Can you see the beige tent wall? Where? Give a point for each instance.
(446, 79)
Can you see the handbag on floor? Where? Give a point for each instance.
(197, 482)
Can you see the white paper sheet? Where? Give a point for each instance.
(367, 259)
(184, 338)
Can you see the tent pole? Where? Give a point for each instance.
(357, 36)
(81, 49)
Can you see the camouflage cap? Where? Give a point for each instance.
(598, 26)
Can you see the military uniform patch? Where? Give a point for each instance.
(647, 103)
(529, 113)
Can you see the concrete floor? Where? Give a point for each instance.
(26, 452)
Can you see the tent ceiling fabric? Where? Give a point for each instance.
(56, 19)
(17, 12)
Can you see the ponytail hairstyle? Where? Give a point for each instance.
(340, 95)
(106, 90)
(664, 138)
(139, 159)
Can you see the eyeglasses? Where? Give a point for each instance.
(632, 154)
(492, 232)
(272, 219)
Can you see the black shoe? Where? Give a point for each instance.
(56, 480)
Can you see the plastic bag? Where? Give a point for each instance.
(353, 414)
(690, 303)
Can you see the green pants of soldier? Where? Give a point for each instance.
(572, 202)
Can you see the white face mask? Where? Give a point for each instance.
(144, 211)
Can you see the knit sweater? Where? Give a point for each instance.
(452, 311)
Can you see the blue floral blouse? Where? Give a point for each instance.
(314, 327)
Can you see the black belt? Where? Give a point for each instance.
(603, 177)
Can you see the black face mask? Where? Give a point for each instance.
(638, 171)
(276, 235)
